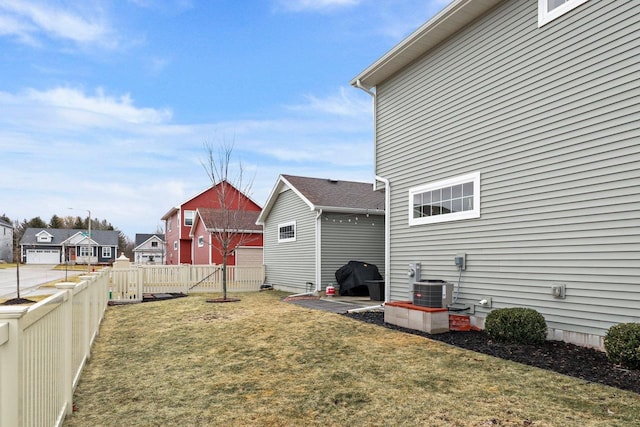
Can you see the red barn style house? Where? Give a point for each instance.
(179, 221)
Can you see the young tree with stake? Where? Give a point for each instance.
(230, 219)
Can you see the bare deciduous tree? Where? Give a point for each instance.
(230, 221)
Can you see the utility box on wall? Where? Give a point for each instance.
(432, 293)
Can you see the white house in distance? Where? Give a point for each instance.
(55, 245)
(6, 241)
(507, 133)
(149, 249)
(314, 226)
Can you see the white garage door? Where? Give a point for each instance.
(43, 256)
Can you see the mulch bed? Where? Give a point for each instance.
(580, 362)
(17, 301)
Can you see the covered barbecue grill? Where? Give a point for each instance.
(352, 278)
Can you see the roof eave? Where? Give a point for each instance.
(448, 21)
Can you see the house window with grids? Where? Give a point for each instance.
(447, 200)
(287, 232)
(548, 10)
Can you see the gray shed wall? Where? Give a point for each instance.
(289, 265)
(550, 117)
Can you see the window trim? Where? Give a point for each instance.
(175, 245)
(105, 250)
(288, 239)
(545, 16)
(454, 216)
(200, 241)
(190, 217)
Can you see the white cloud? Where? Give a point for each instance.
(68, 107)
(314, 5)
(30, 21)
(129, 164)
(344, 103)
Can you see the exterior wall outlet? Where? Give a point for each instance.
(558, 290)
(461, 261)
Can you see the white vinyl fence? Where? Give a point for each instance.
(43, 349)
(129, 284)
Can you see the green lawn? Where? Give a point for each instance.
(186, 362)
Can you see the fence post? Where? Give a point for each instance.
(185, 277)
(11, 365)
(67, 342)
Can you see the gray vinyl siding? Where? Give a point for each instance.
(550, 117)
(345, 238)
(290, 265)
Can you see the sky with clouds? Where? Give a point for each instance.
(107, 105)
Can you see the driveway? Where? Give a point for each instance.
(31, 277)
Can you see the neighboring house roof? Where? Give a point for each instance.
(175, 209)
(59, 235)
(5, 223)
(455, 16)
(141, 239)
(328, 195)
(213, 219)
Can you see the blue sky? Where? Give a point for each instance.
(106, 105)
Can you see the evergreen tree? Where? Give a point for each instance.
(36, 222)
(56, 222)
(79, 224)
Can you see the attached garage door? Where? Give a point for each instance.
(43, 256)
(248, 256)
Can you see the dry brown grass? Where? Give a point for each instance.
(267, 363)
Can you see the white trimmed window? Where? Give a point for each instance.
(200, 241)
(287, 232)
(548, 10)
(175, 245)
(188, 217)
(106, 252)
(447, 200)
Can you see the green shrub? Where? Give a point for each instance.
(622, 344)
(516, 325)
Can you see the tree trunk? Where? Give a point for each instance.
(224, 277)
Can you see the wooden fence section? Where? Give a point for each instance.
(43, 349)
(131, 283)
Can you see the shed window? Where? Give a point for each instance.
(447, 200)
(548, 10)
(200, 241)
(287, 232)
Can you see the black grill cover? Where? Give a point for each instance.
(352, 278)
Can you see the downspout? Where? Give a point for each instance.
(318, 251)
(387, 199)
(387, 237)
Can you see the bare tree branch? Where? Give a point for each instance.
(230, 222)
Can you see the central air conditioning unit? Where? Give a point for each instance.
(432, 293)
